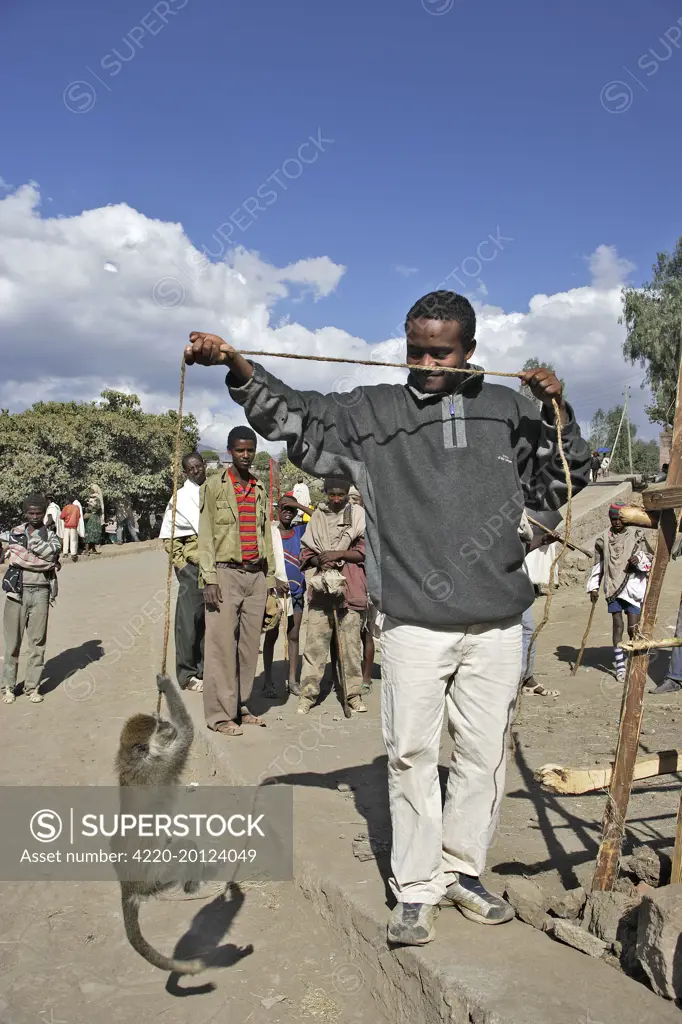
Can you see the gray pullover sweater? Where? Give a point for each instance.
(444, 479)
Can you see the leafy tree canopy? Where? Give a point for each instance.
(64, 448)
(209, 454)
(262, 461)
(652, 315)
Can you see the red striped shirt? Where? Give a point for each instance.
(246, 503)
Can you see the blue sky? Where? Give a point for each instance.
(487, 118)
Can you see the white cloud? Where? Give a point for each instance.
(577, 331)
(608, 269)
(68, 328)
(402, 268)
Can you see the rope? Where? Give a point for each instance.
(567, 532)
(370, 362)
(470, 371)
(169, 578)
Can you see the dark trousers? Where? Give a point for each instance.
(189, 625)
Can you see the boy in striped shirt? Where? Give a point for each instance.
(236, 570)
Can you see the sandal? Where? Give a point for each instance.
(269, 692)
(196, 685)
(539, 691)
(8, 696)
(36, 697)
(229, 729)
(249, 719)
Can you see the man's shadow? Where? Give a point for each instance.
(202, 941)
(68, 662)
(369, 787)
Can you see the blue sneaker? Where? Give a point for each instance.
(477, 904)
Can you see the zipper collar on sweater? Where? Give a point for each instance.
(465, 382)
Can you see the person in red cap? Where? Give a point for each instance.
(622, 564)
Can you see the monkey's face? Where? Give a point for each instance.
(138, 734)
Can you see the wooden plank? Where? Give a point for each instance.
(666, 497)
(576, 781)
(615, 816)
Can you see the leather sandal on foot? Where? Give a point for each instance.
(196, 685)
(229, 729)
(8, 696)
(36, 697)
(539, 691)
(269, 692)
(249, 719)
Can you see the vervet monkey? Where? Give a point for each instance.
(153, 752)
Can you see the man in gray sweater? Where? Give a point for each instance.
(462, 457)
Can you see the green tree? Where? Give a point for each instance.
(262, 461)
(66, 447)
(603, 432)
(652, 316)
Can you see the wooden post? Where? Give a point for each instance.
(633, 701)
(676, 873)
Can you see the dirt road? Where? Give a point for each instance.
(63, 953)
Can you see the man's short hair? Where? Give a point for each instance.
(191, 455)
(241, 434)
(337, 483)
(35, 501)
(444, 305)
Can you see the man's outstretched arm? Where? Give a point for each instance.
(316, 428)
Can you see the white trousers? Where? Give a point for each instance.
(475, 673)
(70, 541)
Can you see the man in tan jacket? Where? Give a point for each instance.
(237, 570)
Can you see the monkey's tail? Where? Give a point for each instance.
(131, 919)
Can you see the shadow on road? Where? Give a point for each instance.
(602, 658)
(70, 661)
(369, 785)
(202, 941)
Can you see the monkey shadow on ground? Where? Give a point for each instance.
(601, 658)
(70, 661)
(202, 941)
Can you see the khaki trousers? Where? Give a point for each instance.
(473, 673)
(319, 630)
(26, 617)
(70, 541)
(232, 643)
